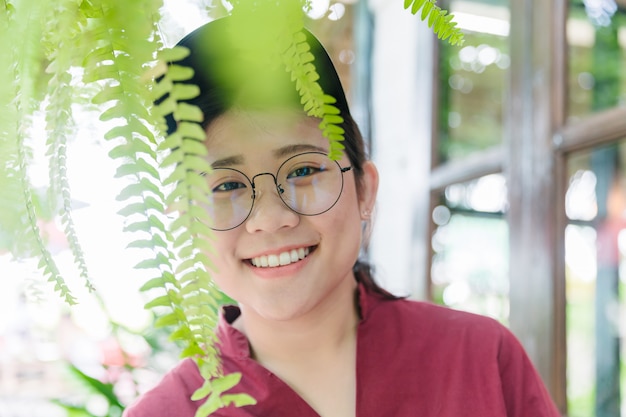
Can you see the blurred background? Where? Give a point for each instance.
(503, 192)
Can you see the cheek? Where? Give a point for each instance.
(222, 256)
(346, 220)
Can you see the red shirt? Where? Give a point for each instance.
(413, 359)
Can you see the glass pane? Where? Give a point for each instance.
(595, 245)
(473, 79)
(470, 244)
(596, 36)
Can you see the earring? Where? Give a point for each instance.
(365, 214)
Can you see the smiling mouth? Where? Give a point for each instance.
(281, 259)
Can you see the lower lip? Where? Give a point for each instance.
(277, 272)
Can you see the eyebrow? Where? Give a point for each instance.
(281, 152)
(226, 162)
(298, 148)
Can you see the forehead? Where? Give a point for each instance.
(253, 133)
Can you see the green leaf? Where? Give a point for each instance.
(200, 229)
(130, 149)
(179, 174)
(333, 129)
(203, 391)
(126, 131)
(155, 241)
(162, 301)
(108, 94)
(138, 189)
(182, 333)
(175, 157)
(179, 73)
(226, 382)
(182, 92)
(197, 164)
(239, 400)
(191, 130)
(138, 226)
(174, 54)
(416, 6)
(107, 390)
(203, 244)
(156, 262)
(173, 141)
(136, 167)
(155, 222)
(186, 111)
(159, 282)
(161, 88)
(170, 319)
(191, 351)
(426, 9)
(432, 17)
(194, 147)
(134, 208)
(185, 265)
(206, 261)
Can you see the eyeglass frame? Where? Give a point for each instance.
(280, 190)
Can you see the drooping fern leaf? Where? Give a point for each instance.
(192, 295)
(62, 30)
(180, 246)
(24, 23)
(283, 40)
(121, 46)
(438, 19)
(299, 62)
(10, 186)
(119, 62)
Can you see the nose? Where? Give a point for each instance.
(269, 212)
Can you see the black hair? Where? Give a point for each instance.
(213, 58)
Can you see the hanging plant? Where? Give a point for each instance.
(110, 53)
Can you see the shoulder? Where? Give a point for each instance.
(438, 332)
(425, 319)
(171, 396)
(466, 358)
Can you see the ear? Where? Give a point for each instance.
(368, 191)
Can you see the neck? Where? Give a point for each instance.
(328, 328)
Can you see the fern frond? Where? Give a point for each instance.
(263, 44)
(46, 263)
(61, 36)
(24, 65)
(193, 304)
(214, 389)
(126, 70)
(10, 186)
(123, 41)
(438, 19)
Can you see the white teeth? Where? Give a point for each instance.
(272, 260)
(283, 258)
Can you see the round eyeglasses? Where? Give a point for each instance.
(309, 184)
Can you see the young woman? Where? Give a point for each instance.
(312, 334)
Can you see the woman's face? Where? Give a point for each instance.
(260, 142)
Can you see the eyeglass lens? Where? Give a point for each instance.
(308, 183)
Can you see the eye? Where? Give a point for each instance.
(303, 171)
(229, 186)
(226, 181)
